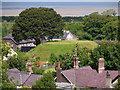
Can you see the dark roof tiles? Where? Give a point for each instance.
(9, 36)
(32, 80)
(88, 77)
(22, 78)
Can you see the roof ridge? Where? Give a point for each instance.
(27, 78)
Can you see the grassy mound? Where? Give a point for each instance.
(44, 50)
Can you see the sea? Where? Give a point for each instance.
(62, 8)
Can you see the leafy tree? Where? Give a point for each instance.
(6, 28)
(110, 12)
(37, 23)
(94, 24)
(110, 30)
(5, 48)
(66, 61)
(8, 18)
(46, 82)
(110, 52)
(84, 57)
(52, 59)
(38, 70)
(69, 19)
(74, 27)
(82, 35)
(18, 62)
(52, 71)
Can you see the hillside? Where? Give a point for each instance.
(44, 50)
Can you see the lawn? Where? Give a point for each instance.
(44, 50)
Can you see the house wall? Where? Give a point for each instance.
(114, 83)
(69, 37)
(11, 42)
(28, 44)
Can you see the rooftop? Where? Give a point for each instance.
(22, 78)
(88, 77)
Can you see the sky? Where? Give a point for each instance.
(60, 0)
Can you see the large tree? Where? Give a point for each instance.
(95, 22)
(37, 23)
(46, 82)
(110, 52)
(111, 28)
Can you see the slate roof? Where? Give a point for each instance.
(22, 78)
(9, 36)
(88, 77)
(32, 80)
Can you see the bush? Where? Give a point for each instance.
(38, 70)
(18, 62)
(46, 82)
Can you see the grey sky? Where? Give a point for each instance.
(60, 0)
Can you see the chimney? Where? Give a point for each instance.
(59, 75)
(76, 62)
(101, 65)
(108, 80)
(29, 66)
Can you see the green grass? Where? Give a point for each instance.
(44, 50)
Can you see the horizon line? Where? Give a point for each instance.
(51, 1)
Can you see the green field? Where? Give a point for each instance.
(44, 50)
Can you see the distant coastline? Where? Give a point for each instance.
(72, 12)
(63, 8)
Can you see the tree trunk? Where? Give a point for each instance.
(37, 42)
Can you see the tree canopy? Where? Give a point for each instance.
(101, 27)
(110, 52)
(110, 12)
(37, 23)
(46, 82)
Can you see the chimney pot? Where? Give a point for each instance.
(29, 66)
(101, 65)
(58, 64)
(76, 62)
(108, 80)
